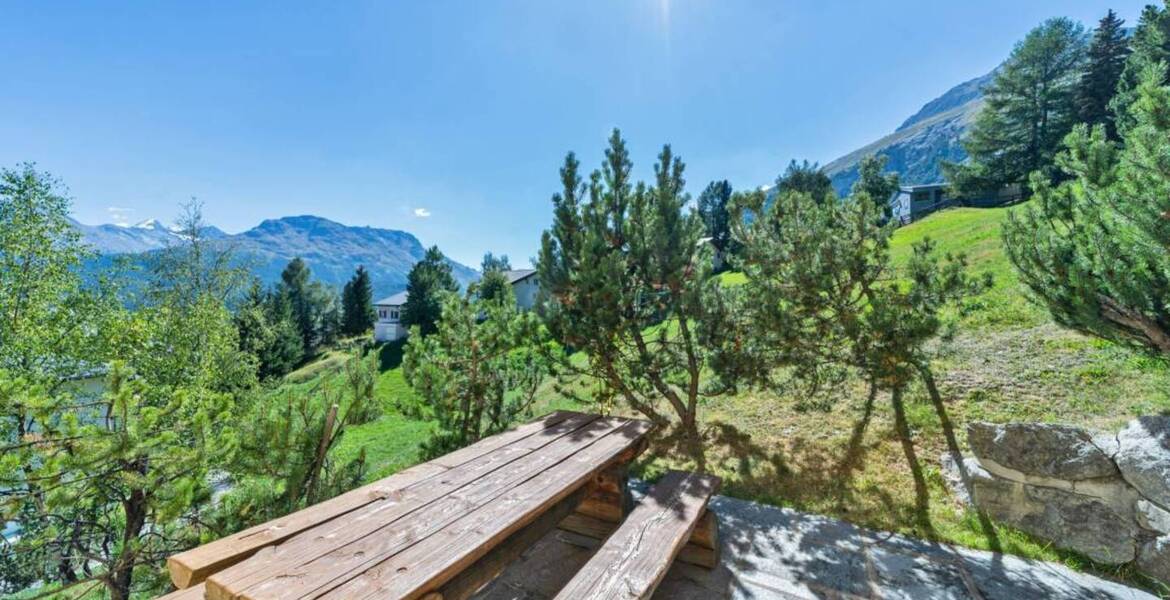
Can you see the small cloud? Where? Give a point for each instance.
(119, 215)
(422, 213)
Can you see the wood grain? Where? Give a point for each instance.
(426, 505)
(441, 556)
(193, 566)
(633, 561)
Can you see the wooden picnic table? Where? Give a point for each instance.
(440, 529)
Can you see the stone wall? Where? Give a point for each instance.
(1105, 496)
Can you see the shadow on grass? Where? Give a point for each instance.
(390, 355)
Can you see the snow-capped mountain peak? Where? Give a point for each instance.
(153, 224)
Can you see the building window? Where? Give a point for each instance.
(394, 314)
(381, 314)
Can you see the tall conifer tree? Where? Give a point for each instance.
(1107, 54)
(1028, 110)
(427, 283)
(357, 303)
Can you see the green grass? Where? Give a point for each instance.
(393, 441)
(975, 233)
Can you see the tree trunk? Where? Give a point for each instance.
(122, 568)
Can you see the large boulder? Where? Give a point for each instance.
(1154, 559)
(1143, 456)
(1040, 449)
(1072, 521)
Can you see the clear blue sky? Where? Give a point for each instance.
(450, 119)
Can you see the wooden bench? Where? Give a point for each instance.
(438, 530)
(635, 558)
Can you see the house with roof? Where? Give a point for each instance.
(912, 202)
(388, 326)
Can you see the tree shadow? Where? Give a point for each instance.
(390, 355)
(921, 491)
(956, 453)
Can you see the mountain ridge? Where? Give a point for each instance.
(332, 250)
(917, 148)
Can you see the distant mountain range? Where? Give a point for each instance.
(332, 250)
(917, 148)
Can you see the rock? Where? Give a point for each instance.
(1054, 451)
(1071, 521)
(1144, 457)
(952, 472)
(1153, 517)
(1154, 559)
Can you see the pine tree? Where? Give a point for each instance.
(427, 283)
(629, 285)
(480, 371)
(1096, 249)
(1028, 110)
(716, 218)
(1149, 46)
(876, 185)
(1106, 60)
(805, 177)
(492, 262)
(357, 303)
(294, 286)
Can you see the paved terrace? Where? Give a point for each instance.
(776, 553)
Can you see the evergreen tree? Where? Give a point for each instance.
(479, 372)
(357, 303)
(492, 262)
(1106, 59)
(1096, 249)
(805, 177)
(427, 283)
(266, 331)
(1029, 108)
(822, 299)
(716, 218)
(629, 285)
(287, 346)
(874, 184)
(294, 286)
(494, 285)
(1150, 46)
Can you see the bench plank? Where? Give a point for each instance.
(191, 593)
(195, 565)
(323, 561)
(437, 559)
(633, 561)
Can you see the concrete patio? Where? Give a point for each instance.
(776, 553)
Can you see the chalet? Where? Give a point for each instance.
(388, 327)
(912, 202)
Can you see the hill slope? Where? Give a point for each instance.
(917, 148)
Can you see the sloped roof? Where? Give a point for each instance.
(518, 274)
(396, 300)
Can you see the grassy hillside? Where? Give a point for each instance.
(1007, 362)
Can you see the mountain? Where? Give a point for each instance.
(916, 149)
(332, 250)
(140, 237)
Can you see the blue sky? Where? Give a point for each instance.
(450, 119)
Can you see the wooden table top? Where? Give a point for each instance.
(405, 535)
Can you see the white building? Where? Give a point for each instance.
(389, 327)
